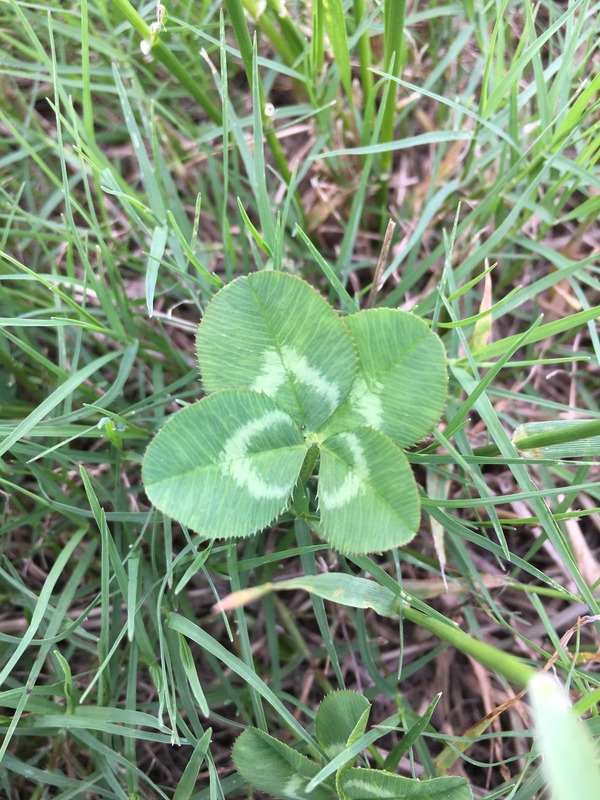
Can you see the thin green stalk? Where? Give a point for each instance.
(170, 61)
(176, 68)
(237, 17)
(364, 54)
(265, 24)
(507, 665)
(394, 12)
(236, 14)
(560, 432)
(383, 598)
(309, 463)
(88, 109)
(292, 36)
(276, 39)
(393, 49)
(244, 637)
(334, 21)
(316, 47)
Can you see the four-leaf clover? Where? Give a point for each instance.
(285, 374)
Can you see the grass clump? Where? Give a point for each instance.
(150, 156)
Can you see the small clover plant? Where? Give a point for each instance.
(289, 381)
(273, 767)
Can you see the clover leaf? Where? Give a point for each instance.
(285, 373)
(275, 768)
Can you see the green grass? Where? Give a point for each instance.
(131, 189)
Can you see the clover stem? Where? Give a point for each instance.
(308, 466)
(301, 505)
(514, 669)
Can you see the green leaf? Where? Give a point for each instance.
(412, 735)
(368, 497)
(68, 388)
(335, 26)
(189, 779)
(374, 784)
(401, 382)
(40, 610)
(346, 590)
(272, 767)
(273, 333)
(341, 722)
(341, 716)
(246, 674)
(225, 466)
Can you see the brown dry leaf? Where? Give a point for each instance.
(448, 167)
(587, 562)
(559, 301)
(323, 201)
(450, 754)
(483, 678)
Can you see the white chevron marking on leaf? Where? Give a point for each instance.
(295, 788)
(276, 368)
(273, 374)
(239, 466)
(353, 480)
(367, 786)
(367, 403)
